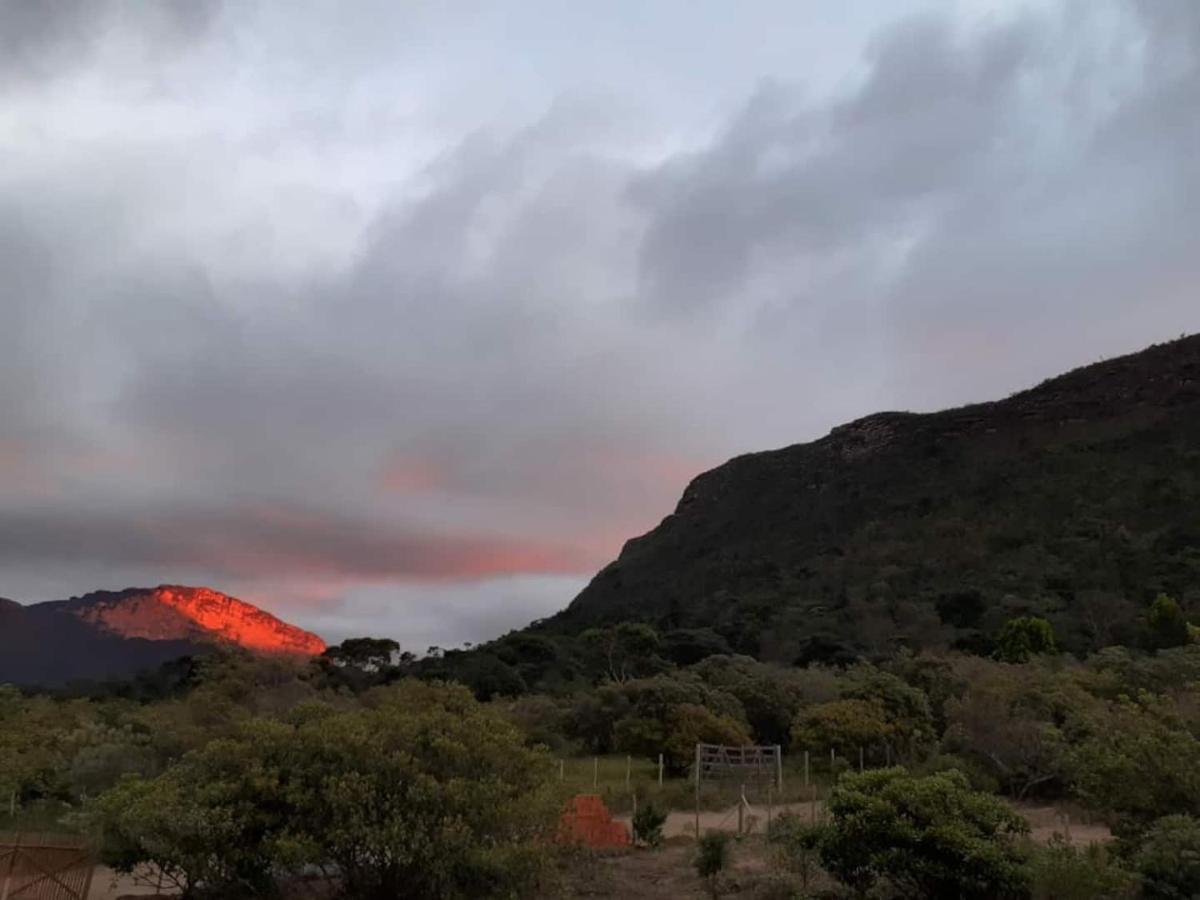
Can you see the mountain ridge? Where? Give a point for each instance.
(796, 553)
(115, 634)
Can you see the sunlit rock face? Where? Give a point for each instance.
(174, 612)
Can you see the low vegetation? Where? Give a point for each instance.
(373, 773)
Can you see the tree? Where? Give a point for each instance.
(676, 734)
(930, 836)
(423, 793)
(1017, 723)
(842, 725)
(906, 708)
(1168, 859)
(1023, 638)
(366, 653)
(1142, 764)
(210, 825)
(626, 651)
(767, 693)
(1166, 625)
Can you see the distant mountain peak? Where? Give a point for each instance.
(180, 612)
(115, 634)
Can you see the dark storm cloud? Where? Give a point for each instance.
(461, 351)
(260, 542)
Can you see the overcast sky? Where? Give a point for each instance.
(400, 317)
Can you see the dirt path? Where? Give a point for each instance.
(1044, 822)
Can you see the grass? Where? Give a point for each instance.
(39, 816)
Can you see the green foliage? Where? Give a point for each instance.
(712, 857)
(422, 793)
(1016, 723)
(363, 653)
(625, 651)
(770, 695)
(1168, 859)
(1141, 765)
(1060, 871)
(675, 736)
(842, 725)
(1023, 638)
(930, 836)
(656, 715)
(1166, 625)
(648, 824)
(798, 845)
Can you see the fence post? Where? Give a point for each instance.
(770, 805)
(741, 809)
(660, 770)
(779, 766)
(697, 792)
(562, 771)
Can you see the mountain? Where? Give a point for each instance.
(1078, 500)
(106, 635)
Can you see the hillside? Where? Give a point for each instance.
(107, 634)
(1077, 500)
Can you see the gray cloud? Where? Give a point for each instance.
(332, 334)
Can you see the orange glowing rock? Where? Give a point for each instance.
(175, 612)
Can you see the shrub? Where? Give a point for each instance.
(1062, 872)
(648, 824)
(798, 844)
(930, 836)
(712, 858)
(424, 794)
(1168, 859)
(1024, 637)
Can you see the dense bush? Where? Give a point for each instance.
(423, 794)
(930, 837)
(1168, 859)
(712, 857)
(648, 824)
(1060, 871)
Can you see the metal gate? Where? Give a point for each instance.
(44, 867)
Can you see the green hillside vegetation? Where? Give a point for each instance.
(245, 775)
(1074, 502)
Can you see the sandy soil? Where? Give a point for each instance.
(1044, 822)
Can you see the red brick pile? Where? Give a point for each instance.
(588, 823)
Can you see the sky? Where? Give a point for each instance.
(399, 318)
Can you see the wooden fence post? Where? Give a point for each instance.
(806, 768)
(562, 771)
(660, 770)
(779, 767)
